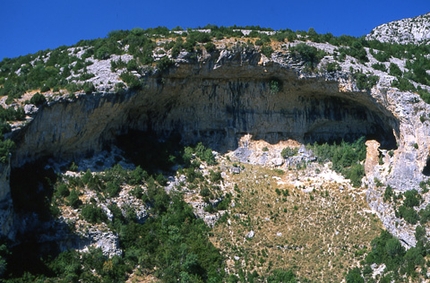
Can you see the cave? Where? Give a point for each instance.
(215, 111)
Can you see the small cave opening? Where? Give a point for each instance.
(426, 169)
(150, 151)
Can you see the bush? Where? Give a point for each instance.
(354, 276)
(131, 80)
(93, 214)
(62, 191)
(333, 67)
(409, 214)
(412, 198)
(289, 152)
(345, 157)
(365, 81)
(275, 86)
(395, 70)
(267, 51)
(88, 87)
(164, 64)
(279, 275)
(309, 54)
(403, 84)
(6, 148)
(388, 193)
(38, 99)
(215, 177)
(380, 67)
(44, 88)
(73, 199)
(210, 47)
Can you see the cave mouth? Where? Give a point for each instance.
(308, 118)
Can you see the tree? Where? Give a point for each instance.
(38, 99)
(393, 248)
(309, 54)
(354, 276)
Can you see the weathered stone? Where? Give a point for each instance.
(250, 234)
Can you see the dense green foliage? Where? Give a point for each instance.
(365, 81)
(345, 157)
(289, 151)
(399, 263)
(173, 241)
(309, 54)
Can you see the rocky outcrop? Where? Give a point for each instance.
(414, 30)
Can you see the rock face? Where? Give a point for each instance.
(7, 216)
(221, 97)
(411, 30)
(213, 101)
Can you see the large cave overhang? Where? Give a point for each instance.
(215, 106)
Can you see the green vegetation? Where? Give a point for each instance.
(172, 243)
(365, 81)
(346, 158)
(38, 99)
(309, 54)
(289, 152)
(400, 264)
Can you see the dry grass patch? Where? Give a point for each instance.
(318, 231)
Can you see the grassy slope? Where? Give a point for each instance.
(318, 234)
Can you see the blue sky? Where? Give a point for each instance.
(29, 25)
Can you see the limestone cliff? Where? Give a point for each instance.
(218, 97)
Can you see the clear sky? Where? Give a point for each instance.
(27, 26)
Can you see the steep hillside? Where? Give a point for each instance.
(126, 140)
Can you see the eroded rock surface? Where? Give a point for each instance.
(219, 98)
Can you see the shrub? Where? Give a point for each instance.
(354, 276)
(73, 199)
(403, 84)
(6, 147)
(62, 191)
(38, 99)
(279, 275)
(88, 87)
(205, 192)
(409, 214)
(395, 70)
(388, 193)
(131, 80)
(289, 152)
(164, 64)
(267, 51)
(44, 88)
(210, 47)
(215, 176)
(275, 86)
(380, 67)
(365, 81)
(309, 54)
(345, 158)
(412, 198)
(93, 214)
(112, 189)
(333, 67)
